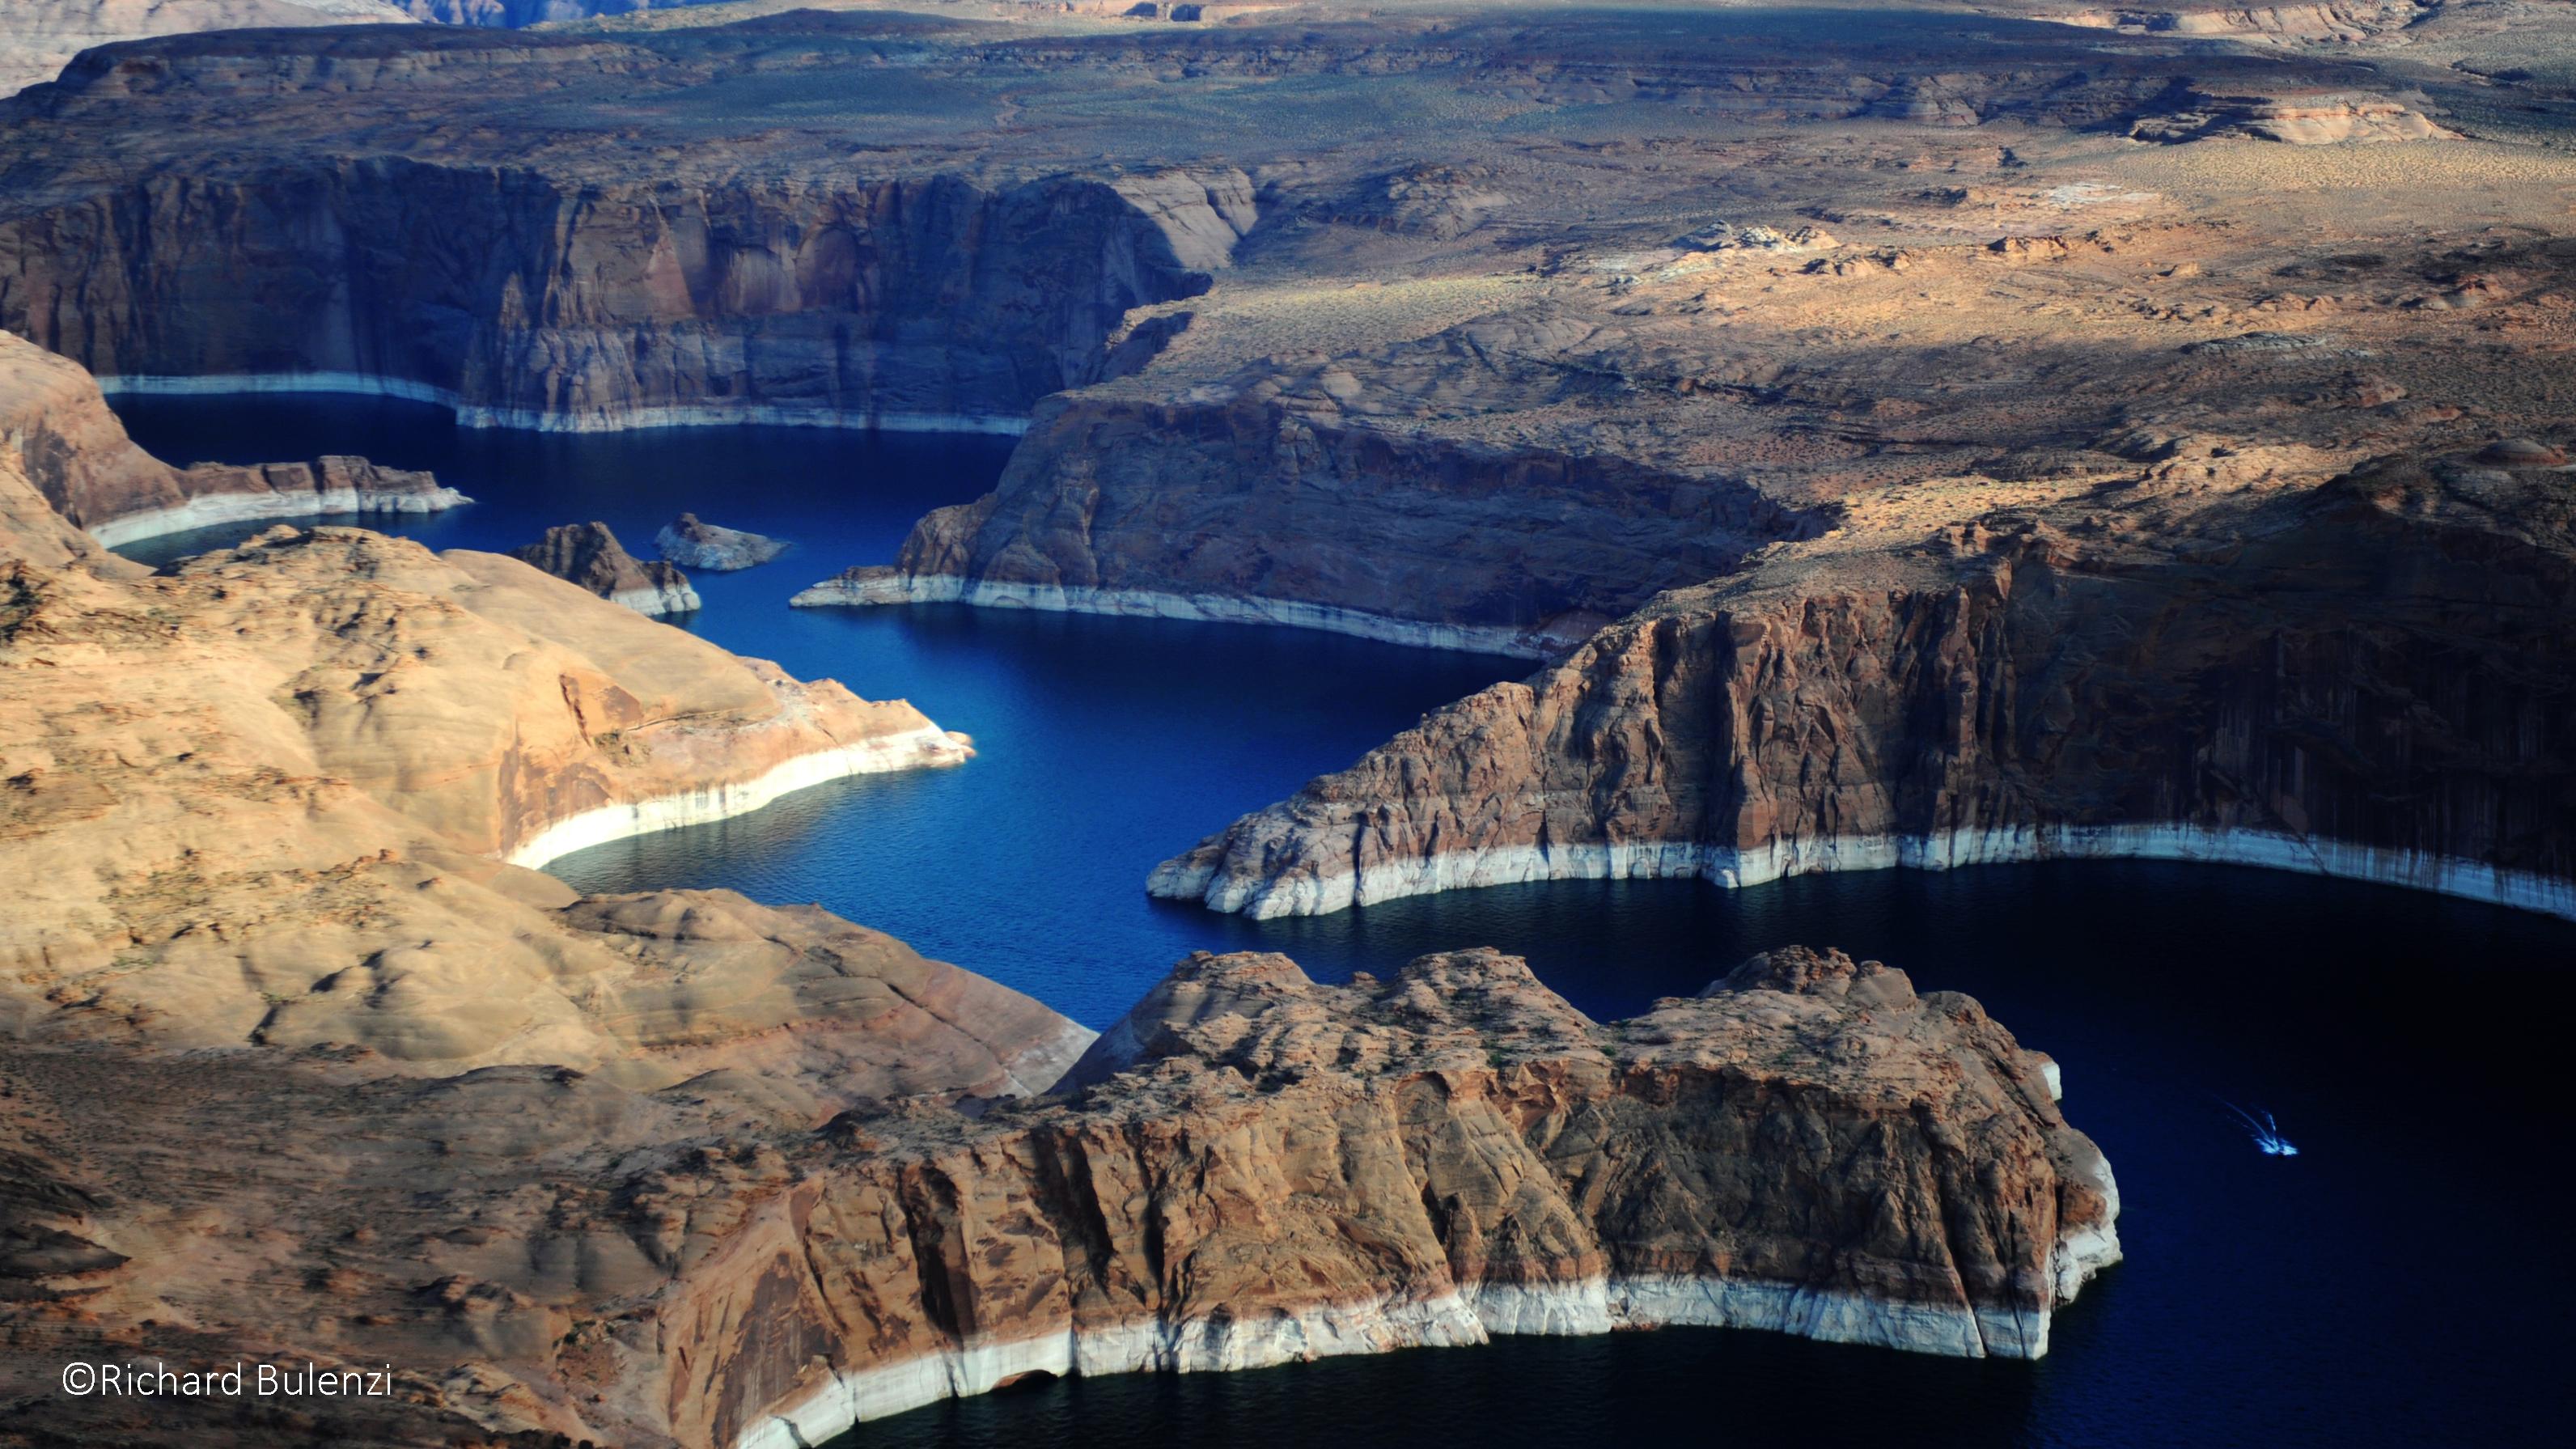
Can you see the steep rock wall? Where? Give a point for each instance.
(1259, 1169)
(1268, 509)
(528, 302)
(2372, 680)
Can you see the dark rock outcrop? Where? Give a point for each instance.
(589, 555)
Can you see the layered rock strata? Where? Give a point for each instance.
(1258, 1169)
(540, 292)
(75, 452)
(692, 544)
(2013, 691)
(589, 554)
(1279, 505)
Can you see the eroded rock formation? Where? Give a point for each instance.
(589, 554)
(693, 544)
(1257, 1168)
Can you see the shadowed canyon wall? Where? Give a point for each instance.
(2372, 679)
(525, 301)
(1254, 508)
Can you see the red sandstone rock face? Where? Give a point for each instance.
(1999, 695)
(1258, 1168)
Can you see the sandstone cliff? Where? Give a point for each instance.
(541, 292)
(589, 554)
(2369, 679)
(1258, 1168)
(65, 441)
(1285, 500)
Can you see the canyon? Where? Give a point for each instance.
(676, 1167)
(1983, 434)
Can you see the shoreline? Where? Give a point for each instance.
(1198, 608)
(1458, 1319)
(927, 747)
(633, 419)
(1733, 869)
(206, 510)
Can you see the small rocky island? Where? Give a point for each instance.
(589, 555)
(694, 544)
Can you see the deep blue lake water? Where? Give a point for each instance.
(2405, 1280)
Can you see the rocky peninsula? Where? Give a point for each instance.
(2365, 679)
(71, 448)
(1252, 1168)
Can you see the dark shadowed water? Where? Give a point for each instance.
(2405, 1280)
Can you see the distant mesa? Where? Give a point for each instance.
(687, 541)
(589, 554)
